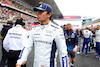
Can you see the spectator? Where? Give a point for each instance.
(71, 42)
(13, 42)
(98, 41)
(3, 34)
(87, 38)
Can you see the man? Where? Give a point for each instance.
(45, 38)
(71, 42)
(13, 42)
(97, 39)
(3, 34)
(87, 34)
(64, 27)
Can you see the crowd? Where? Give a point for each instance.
(88, 38)
(8, 13)
(17, 5)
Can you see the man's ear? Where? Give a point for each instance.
(49, 15)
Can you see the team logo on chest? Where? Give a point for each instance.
(47, 31)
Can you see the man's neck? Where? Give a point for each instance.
(45, 22)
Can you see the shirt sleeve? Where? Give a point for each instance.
(61, 47)
(28, 43)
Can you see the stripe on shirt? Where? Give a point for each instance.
(55, 27)
(21, 53)
(53, 50)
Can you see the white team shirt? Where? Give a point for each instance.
(43, 38)
(14, 38)
(97, 38)
(87, 33)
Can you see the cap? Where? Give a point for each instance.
(19, 21)
(44, 7)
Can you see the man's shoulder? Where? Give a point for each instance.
(54, 26)
(98, 32)
(85, 30)
(11, 29)
(24, 30)
(6, 27)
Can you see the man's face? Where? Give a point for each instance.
(69, 27)
(43, 16)
(98, 27)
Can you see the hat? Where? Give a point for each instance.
(20, 22)
(44, 7)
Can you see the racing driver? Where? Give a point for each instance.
(45, 38)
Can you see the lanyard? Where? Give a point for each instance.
(69, 35)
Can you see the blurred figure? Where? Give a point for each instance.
(77, 31)
(98, 41)
(3, 34)
(64, 28)
(91, 46)
(71, 42)
(13, 42)
(98, 27)
(87, 34)
(80, 39)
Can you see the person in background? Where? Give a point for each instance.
(87, 34)
(71, 42)
(64, 27)
(3, 34)
(13, 42)
(97, 39)
(92, 41)
(46, 38)
(96, 30)
(79, 42)
(77, 31)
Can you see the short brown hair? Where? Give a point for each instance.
(69, 24)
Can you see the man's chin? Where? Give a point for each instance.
(68, 29)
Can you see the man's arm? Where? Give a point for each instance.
(28, 43)
(62, 48)
(76, 43)
(75, 48)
